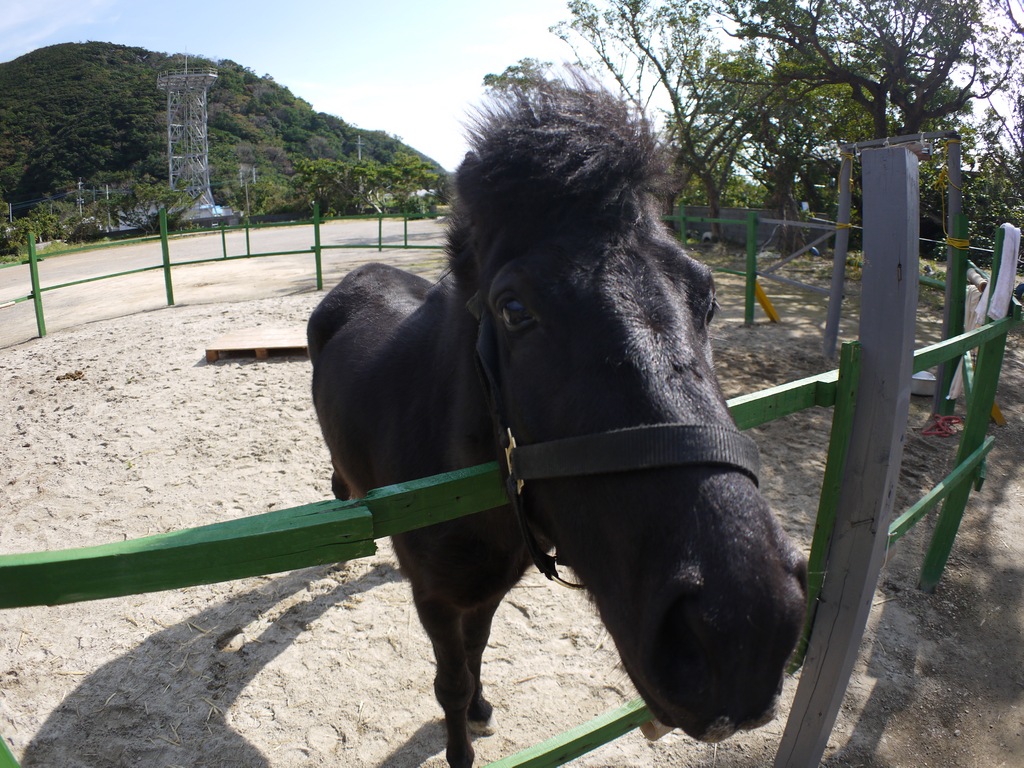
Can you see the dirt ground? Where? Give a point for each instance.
(118, 428)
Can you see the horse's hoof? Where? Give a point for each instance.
(486, 727)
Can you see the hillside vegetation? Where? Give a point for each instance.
(92, 113)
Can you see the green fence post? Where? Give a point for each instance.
(248, 252)
(956, 279)
(223, 241)
(316, 247)
(167, 257)
(828, 501)
(405, 231)
(681, 217)
(748, 305)
(979, 410)
(37, 294)
(380, 232)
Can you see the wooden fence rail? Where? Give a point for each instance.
(314, 534)
(331, 531)
(167, 265)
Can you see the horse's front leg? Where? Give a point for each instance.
(454, 683)
(476, 626)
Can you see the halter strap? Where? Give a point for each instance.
(635, 448)
(621, 450)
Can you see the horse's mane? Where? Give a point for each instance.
(554, 150)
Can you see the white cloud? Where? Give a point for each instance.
(29, 25)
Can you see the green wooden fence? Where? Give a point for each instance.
(331, 531)
(167, 266)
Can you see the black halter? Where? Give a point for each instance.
(620, 450)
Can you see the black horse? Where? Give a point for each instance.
(571, 331)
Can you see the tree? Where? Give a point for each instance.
(1015, 13)
(409, 176)
(320, 181)
(793, 132)
(908, 63)
(996, 177)
(140, 205)
(524, 73)
(390, 186)
(1009, 119)
(667, 55)
(343, 185)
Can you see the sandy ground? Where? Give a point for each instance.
(329, 666)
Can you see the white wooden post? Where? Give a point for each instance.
(840, 248)
(857, 551)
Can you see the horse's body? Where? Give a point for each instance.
(588, 318)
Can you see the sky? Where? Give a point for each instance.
(411, 68)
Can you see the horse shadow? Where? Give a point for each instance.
(122, 715)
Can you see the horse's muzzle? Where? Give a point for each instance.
(715, 667)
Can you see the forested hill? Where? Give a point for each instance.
(92, 111)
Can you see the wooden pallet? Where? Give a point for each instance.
(259, 342)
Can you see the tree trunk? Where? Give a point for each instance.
(783, 202)
(714, 205)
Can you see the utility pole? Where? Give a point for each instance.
(245, 184)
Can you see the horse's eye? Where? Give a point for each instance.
(711, 311)
(515, 315)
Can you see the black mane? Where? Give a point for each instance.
(552, 152)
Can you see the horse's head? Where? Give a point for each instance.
(594, 320)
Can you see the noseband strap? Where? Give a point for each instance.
(621, 450)
(635, 448)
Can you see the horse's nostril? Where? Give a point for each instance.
(680, 658)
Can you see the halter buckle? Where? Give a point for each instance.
(508, 460)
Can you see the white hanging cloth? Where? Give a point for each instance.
(995, 301)
(956, 386)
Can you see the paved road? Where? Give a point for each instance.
(230, 280)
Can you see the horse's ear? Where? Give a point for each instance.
(471, 157)
(467, 177)
(475, 305)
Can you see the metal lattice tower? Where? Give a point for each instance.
(187, 143)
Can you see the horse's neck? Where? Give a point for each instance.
(455, 352)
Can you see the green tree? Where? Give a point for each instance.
(667, 54)
(265, 195)
(322, 182)
(522, 74)
(908, 64)
(139, 206)
(344, 185)
(407, 176)
(995, 158)
(790, 150)
(43, 222)
(390, 186)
